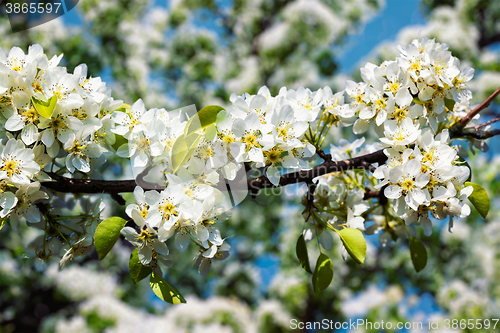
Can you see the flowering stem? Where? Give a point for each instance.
(323, 138)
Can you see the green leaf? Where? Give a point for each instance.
(137, 270)
(323, 273)
(119, 141)
(418, 254)
(210, 132)
(302, 255)
(124, 108)
(203, 118)
(416, 100)
(480, 199)
(2, 223)
(164, 290)
(183, 148)
(449, 103)
(45, 109)
(106, 235)
(354, 243)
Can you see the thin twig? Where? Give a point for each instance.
(492, 121)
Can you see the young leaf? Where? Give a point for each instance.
(124, 108)
(183, 148)
(119, 141)
(137, 270)
(210, 132)
(354, 243)
(480, 199)
(45, 109)
(323, 273)
(164, 290)
(449, 103)
(416, 100)
(302, 255)
(418, 254)
(106, 235)
(203, 118)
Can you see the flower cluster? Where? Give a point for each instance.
(273, 133)
(47, 113)
(269, 131)
(416, 90)
(426, 179)
(260, 129)
(50, 120)
(410, 102)
(188, 201)
(190, 172)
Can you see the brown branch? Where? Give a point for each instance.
(368, 166)
(71, 185)
(325, 157)
(370, 194)
(112, 187)
(329, 166)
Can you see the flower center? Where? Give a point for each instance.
(11, 166)
(168, 210)
(399, 113)
(273, 156)
(429, 156)
(31, 115)
(250, 140)
(58, 123)
(415, 67)
(145, 236)
(380, 104)
(394, 87)
(407, 185)
(77, 148)
(227, 137)
(169, 143)
(133, 122)
(438, 66)
(144, 212)
(283, 131)
(142, 144)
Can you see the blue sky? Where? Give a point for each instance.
(383, 26)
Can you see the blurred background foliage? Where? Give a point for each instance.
(183, 52)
